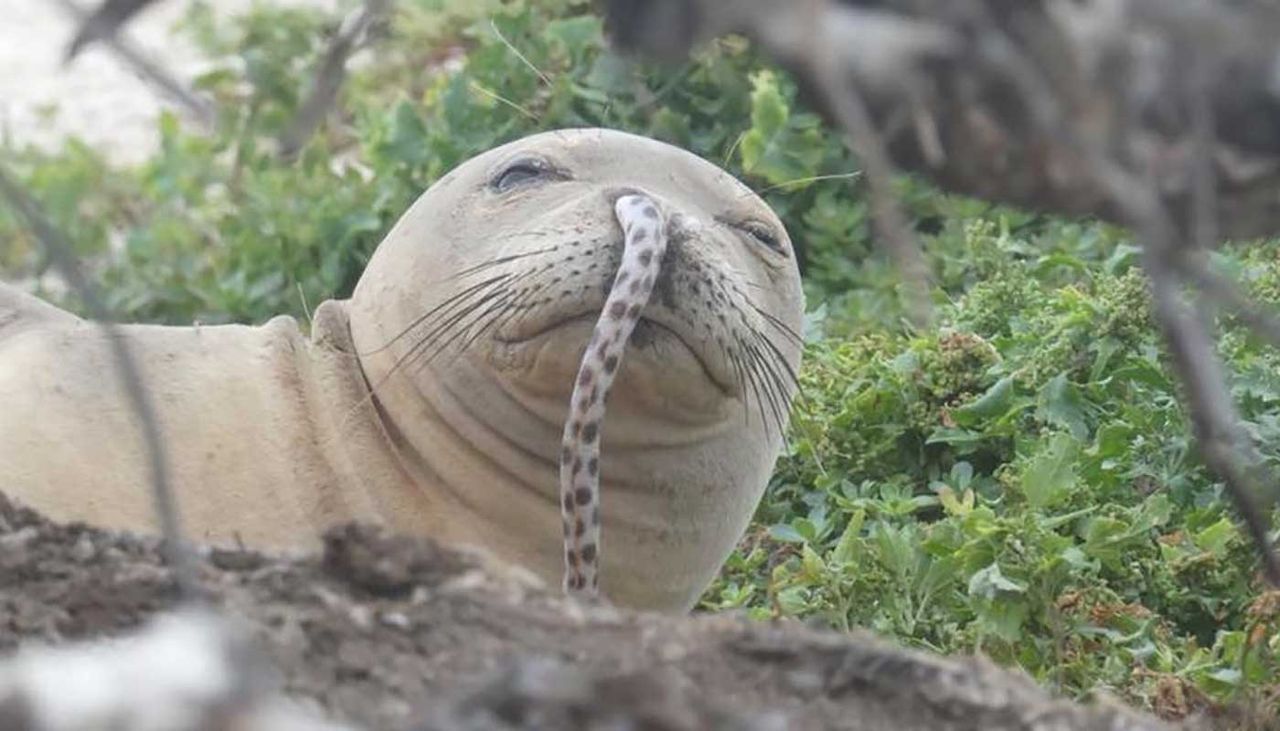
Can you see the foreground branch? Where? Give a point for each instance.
(62, 255)
(330, 74)
(948, 113)
(103, 25)
(1162, 115)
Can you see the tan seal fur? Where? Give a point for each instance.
(469, 324)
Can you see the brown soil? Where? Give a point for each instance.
(394, 633)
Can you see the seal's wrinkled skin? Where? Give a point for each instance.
(434, 399)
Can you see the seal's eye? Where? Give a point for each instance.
(519, 173)
(764, 234)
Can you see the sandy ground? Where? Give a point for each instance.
(97, 97)
(401, 634)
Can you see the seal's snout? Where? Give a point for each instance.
(679, 224)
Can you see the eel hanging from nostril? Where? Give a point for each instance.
(645, 243)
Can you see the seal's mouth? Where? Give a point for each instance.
(649, 328)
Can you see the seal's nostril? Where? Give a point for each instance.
(613, 194)
(683, 226)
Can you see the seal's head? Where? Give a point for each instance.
(473, 315)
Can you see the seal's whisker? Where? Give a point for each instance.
(788, 372)
(772, 387)
(438, 311)
(442, 327)
(451, 327)
(772, 319)
(469, 330)
(509, 298)
(526, 307)
(741, 376)
(499, 314)
(395, 367)
(753, 381)
(445, 305)
(791, 377)
(497, 310)
(500, 261)
(806, 181)
(775, 382)
(519, 308)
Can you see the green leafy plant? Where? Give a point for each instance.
(1019, 482)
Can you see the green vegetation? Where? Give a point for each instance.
(1020, 482)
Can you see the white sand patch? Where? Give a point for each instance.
(97, 97)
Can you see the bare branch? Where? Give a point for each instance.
(107, 32)
(330, 74)
(1226, 294)
(104, 22)
(61, 254)
(1162, 115)
(1110, 60)
(1217, 426)
(895, 232)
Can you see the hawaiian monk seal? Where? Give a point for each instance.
(434, 399)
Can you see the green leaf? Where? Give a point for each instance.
(1003, 618)
(778, 148)
(959, 438)
(813, 565)
(952, 504)
(785, 533)
(1061, 404)
(1112, 440)
(1216, 538)
(1050, 475)
(406, 137)
(1105, 538)
(994, 403)
(848, 546)
(989, 582)
(897, 550)
(575, 35)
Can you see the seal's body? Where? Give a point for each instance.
(246, 413)
(434, 400)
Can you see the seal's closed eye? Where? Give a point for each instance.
(763, 234)
(522, 171)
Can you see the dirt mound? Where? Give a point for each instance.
(389, 632)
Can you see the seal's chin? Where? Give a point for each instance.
(661, 372)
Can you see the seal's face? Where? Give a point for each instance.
(486, 293)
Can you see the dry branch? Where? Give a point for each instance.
(942, 96)
(330, 73)
(62, 255)
(1162, 115)
(104, 24)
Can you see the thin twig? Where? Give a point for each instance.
(511, 47)
(330, 75)
(810, 179)
(895, 233)
(61, 254)
(199, 108)
(1226, 294)
(104, 22)
(1217, 425)
(1134, 198)
(1213, 414)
